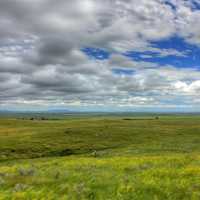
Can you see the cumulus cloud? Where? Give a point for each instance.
(42, 62)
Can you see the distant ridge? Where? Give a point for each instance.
(59, 110)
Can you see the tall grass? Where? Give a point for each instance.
(142, 177)
(100, 159)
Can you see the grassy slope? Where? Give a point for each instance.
(116, 178)
(136, 159)
(28, 139)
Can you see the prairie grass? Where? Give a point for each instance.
(102, 158)
(133, 177)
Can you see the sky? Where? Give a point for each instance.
(92, 55)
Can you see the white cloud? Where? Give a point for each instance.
(41, 62)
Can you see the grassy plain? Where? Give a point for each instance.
(104, 157)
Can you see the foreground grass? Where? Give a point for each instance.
(116, 178)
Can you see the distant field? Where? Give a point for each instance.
(100, 157)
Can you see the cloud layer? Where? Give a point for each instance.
(43, 61)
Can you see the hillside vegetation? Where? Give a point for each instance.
(100, 158)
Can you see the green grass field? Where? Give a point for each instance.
(103, 158)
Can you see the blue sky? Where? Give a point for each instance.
(189, 59)
(100, 55)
